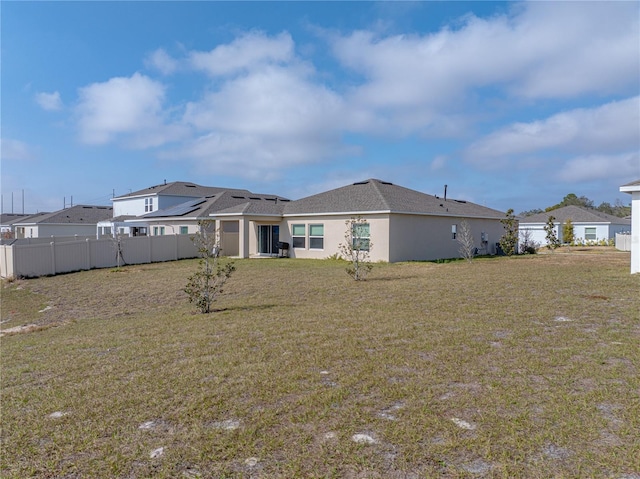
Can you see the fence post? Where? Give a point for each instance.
(53, 258)
(88, 253)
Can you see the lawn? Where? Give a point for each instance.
(524, 367)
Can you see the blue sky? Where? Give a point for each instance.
(512, 105)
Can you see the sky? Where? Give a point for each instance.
(512, 105)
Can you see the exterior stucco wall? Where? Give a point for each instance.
(603, 231)
(334, 231)
(425, 238)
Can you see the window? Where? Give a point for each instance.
(316, 236)
(298, 235)
(361, 237)
(106, 230)
(158, 230)
(148, 205)
(590, 234)
(454, 231)
(121, 230)
(184, 230)
(155, 231)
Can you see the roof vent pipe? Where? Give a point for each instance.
(445, 192)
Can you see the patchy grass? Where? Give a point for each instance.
(506, 367)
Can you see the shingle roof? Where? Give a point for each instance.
(181, 188)
(633, 183)
(576, 214)
(376, 195)
(7, 219)
(79, 214)
(632, 187)
(254, 208)
(231, 201)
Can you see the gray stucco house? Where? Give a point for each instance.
(78, 220)
(403, 224)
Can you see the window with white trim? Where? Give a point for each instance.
(361, 236)
(148, 205)
(298, 236)
(590, 234)
(184, 230)
(316, 236)
(454, 231)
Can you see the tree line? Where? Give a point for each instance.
(617, 209)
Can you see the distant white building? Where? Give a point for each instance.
(633, 189)
(588, 225)
(80, 220)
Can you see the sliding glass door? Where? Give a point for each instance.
(268, 238)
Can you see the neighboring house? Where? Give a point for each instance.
(184, 217)
(160, 197)
(633, 189)
(588, 225)
(80, 220)
(402, 224)
(8, 221)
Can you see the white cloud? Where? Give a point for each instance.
(268, 117)
(594, 167)
(597, 167)
(249, 51)
(612, 127)
(125, 106)
(540, 50)
(438, 163)
(49, 101)
(15, 150)
(162, 61)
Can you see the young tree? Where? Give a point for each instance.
(356, 248)
(527, 244)
(550, 229)
(116, 241)
(568, 235)
(465, 238)
(509, 240)
(205, 285)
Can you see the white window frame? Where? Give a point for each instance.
(358, 238)
(298, 236)
(316, 237)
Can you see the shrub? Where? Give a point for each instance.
(509, 241)
(205, 285)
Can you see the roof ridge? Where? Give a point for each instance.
(376, 185)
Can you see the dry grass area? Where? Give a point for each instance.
(523, 367)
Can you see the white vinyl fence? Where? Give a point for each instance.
(623, 241)
(19, 260)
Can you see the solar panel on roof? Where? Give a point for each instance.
(179, 210)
